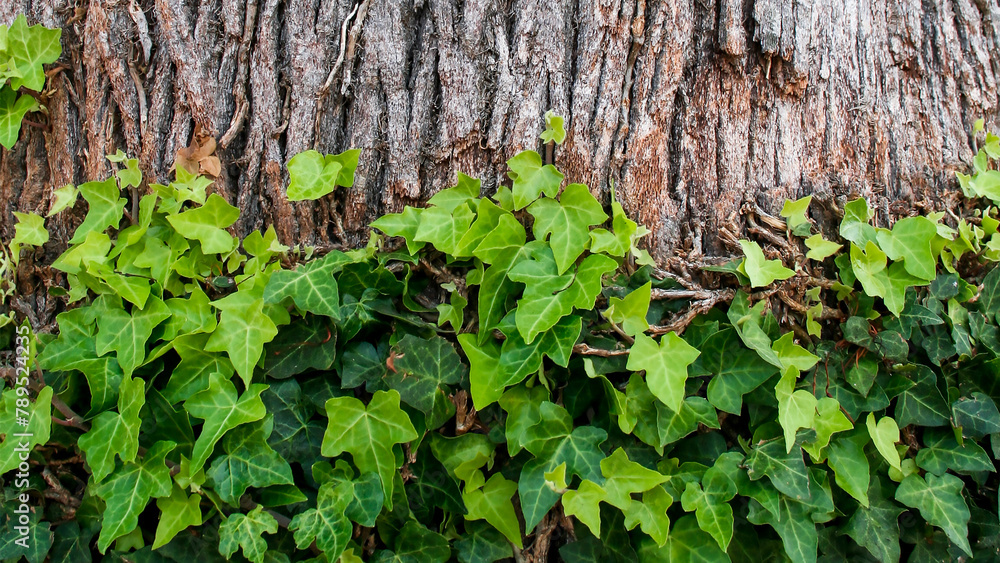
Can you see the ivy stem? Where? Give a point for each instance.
(621, 332)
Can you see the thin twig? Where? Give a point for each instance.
(587, 350)
(697, 308)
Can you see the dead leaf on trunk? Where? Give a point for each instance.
(199, 157)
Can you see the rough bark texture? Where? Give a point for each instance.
(690, 108)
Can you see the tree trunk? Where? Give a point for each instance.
(692, 109)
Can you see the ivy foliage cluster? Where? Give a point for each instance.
(23, 51)
(508, 377)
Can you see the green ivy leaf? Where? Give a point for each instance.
(114, 434)
(687, 542)
(785, 469)
(761, 271)
(242, 331)
(207, 224)
(445, 229)
(30, 230)
(326, 524)
(584, 502)
(105, 208)
(885, 434)
(488, 219)
(796, 409)
(658, 425)
(63, 198)
(490, 501)
(368, 434)
(28, 48)
(465, 191)
(794, 213)
(942, 452)
(531, 179)
(503, 243)
(12, 110)
(922, 404)
(177, 513)
(737, 369)
(553, 128)
(404, 225)
(665, 365)
(127, 333)
(482, 543)
(793, 523)
(977, 415)
(623, 478)
(545, 300)
(624, 236)
(36, 540)
(191, 374)
(417, 544)
(423, 370)
(462, 455)
(854, 226)
(910, 241)
(246, 532)
(311, 286)
(650, 514)
(554, 442)
(222, 410)
(829, 420)
(820, 249)
(312, 175)
(523, 407)
(248, 462)
(308, 344)
(36, 426)
(567, 223)
(709, 500)
(630, 311)
(940, 502)
(846, 456)
(128, 490)
(749, 322)
(875, 527)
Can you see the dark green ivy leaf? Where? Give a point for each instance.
(309, 344)
(482, 543)
(786, 470)
(977, 415)
(248, 462)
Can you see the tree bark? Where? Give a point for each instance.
(691, 109)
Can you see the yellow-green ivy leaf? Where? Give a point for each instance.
(665, 364)
(178, 512)
(567, 223)
(554, 130)
(313, 175)
(761, 271)
(820, 249)
(207, 224)
(885, 434)
(531, 179)
(630, 311)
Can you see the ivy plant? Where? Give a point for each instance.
(508, 375)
